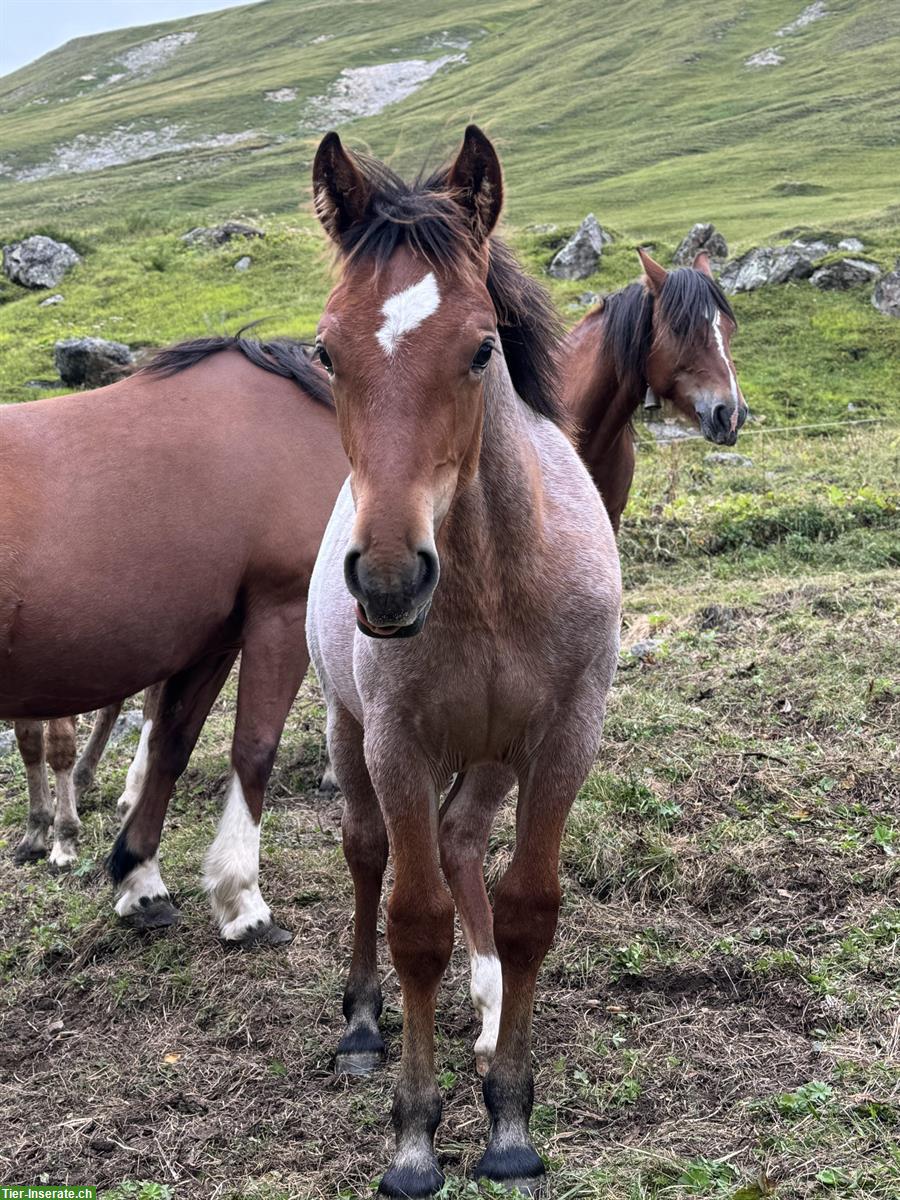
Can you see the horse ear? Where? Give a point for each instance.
(701, 263)
(477, 179)
(656, 275)
(340, 193)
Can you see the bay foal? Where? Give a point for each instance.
(217, 478)
(671, 332)
(463, 612)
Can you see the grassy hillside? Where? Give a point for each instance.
(646, 112)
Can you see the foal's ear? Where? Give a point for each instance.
(656, 275)
(340, 193)
(477, 179)
(701, 263)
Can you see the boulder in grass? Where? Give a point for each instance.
(218, 235)
(38, 262)
(844, 274)
(853, 244)
(770, 264)
(580, 256)
(886, 297)
(91, 362)
(701, 237)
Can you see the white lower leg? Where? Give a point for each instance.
(134, 780)
(66, 825)
(141, 887)
(486, 990)
(231, 870)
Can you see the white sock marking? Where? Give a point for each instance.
(486, 990)
(144, 881)
(406, 310)
(134, 780)
(231, 869)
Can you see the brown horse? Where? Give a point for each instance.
(463, 613)
(217, 480)
(671, 333)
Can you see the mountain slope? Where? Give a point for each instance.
(647, 112)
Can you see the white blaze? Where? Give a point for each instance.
(406, 310)
(735, 393)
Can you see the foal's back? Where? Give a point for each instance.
(138, 521)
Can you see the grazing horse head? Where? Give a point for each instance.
(688, 358)
(408, 335)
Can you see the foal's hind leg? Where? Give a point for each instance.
(273, 662)
(61, 757)
(466, 820)
(361, 1049)
(135, 778)
(30, 739)
(184, 703)
(93, 750)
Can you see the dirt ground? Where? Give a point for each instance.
(719, 1015)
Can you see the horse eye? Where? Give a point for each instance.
(324, 358)
(482, 357)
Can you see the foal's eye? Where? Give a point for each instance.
(324, 358)
(482, 357)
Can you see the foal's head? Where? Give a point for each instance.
(407, 335)
(688, 359)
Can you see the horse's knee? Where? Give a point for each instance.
(420, 934)
(525, 916)
(61, 747)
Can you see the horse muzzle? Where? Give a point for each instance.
(719, 422)
(392, 601)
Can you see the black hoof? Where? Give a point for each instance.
(264, 934)
(154, 914)
(358, 1062)
(515, 1167)
(412, 1182)
(24, 853)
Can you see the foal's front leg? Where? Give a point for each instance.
(420, 936)
(526, 908)
(61, 750)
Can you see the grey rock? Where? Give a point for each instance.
(51, 300)
(886, 296)
(725, 458)
(7, 742)
(586, 299)
(131, 721)
(91, 362)
(646, 650)
(580, 255)
(844, 274)
(812, 247)
(716, 616)
(41, 383)
(770, 264)
(38, 262)
(243, 264)
(853, 244)
(701, 237)
(218, 235)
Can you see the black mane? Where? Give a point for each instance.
(683, 305)
(425, 216)
(281, 356)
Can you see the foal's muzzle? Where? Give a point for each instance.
(392, 600)
(717, 420)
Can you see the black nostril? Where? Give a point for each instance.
(429, 569)
(351, 572)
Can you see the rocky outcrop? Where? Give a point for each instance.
(218, 235)
(91, 362)
(886, 296)
(853, 244)
(844, 274)
(580, 256)
(38, 262)
(701, 237)
(773, 264)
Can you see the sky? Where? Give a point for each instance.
(29, 28)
